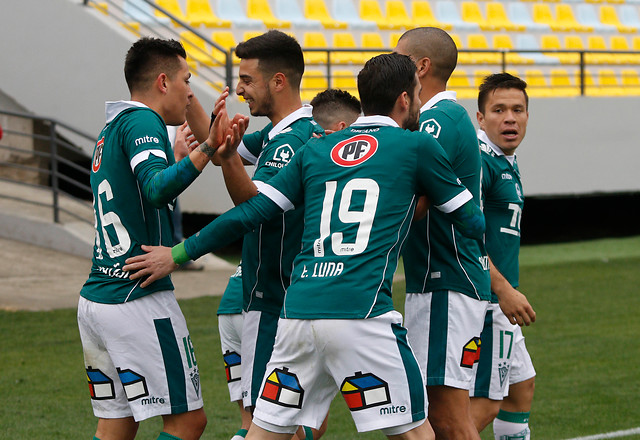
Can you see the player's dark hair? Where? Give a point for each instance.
(275, 52)
(435, 44)
(500, 81)
(382, 79)
(334, 105)
(149, 57)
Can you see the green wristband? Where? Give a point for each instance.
(179, 254)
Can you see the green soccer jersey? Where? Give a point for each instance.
(268, 251)
(437, 256)
(231, 302)
(358, 188)
(503, 199)
(131, 200)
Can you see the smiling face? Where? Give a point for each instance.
(254, 88)
(505, 118)
(178, 96)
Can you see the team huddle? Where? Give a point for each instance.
(342, 189)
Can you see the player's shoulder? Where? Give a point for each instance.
(302, 129)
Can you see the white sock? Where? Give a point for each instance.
(511, 426)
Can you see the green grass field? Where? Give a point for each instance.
(584, 346)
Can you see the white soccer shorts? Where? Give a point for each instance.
(139, 357)
(230, 328)
(444, 330)
(368, 360)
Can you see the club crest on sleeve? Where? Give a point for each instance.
(232, 365)
(364, 391)
(432, 127)
(471, 352)
(354, 151)
(100, 385)
(283, 388)
(97, 155)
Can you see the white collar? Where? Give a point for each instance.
(484, 138)
(303, 112)
(114, 108)
(375, 120)
(448, 95)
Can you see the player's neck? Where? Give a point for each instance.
(283, 108)
(431, 89)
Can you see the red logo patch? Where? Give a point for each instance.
(354, 151)
(97, 156)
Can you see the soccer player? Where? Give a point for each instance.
(334, 110)
(338, 329)
(139, 357)
(447, 274)
(504, 363)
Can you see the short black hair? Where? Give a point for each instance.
(382, 79)
(334, 105)
(148, 57)
(275, 52)
(435, 44)
(500, 81)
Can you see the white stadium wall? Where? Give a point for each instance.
(62, 60)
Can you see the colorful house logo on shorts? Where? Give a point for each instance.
(100, 385)
(232, 365)
(135, 386)
(364, 391)
(471, 353)
(283, 388)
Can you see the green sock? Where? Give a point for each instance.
(95, 438)
(165, 436)
(511, 426)
(308, 433)
(240, 434)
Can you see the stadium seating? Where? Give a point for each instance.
(397, 14)
(173, 8)
(260, 10)
(542, 14)
(393, 38)
(520, 16)
(141, 12)
(608, 84)
(196, 48)
(371, 40)
(552, 42)
(313, 82)
(345, 40)
(447, 12)
(348, 13)
(471, 13)
(479, 41)
(232, 10)
(199, 13)
(597, 43)
(290, 11)
(370, 10)
(459, 82)
(630, 81)
(497, 16)
(562, 85)
(537, 86)
(529, 42)
(587, 15)
(619, 43)
(423, 15)
(317, 10)
(504, 42)
(629, 16)
(567, 21)
(226, 40)
(314, 40)
(479, 76)
(345, 80)
(609, 16)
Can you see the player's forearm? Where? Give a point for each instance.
(499, 284)
(199, 120)
(239, 185)
(164, 185)
(227, 228)
(469, 220)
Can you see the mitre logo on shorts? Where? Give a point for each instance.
(232, 365)
(97, 155)
(364, 391)
(283, 388)
(135, 385)
(470, 353)
(100, 385)
(354, 151)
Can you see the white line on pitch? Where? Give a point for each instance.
(610, 434)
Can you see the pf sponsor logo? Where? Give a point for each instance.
(97, 155)
(354, 151)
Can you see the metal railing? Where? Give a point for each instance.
(52, 149)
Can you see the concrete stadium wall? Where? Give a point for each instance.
(61, 59)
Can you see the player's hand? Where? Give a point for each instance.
(516, 307)
(181, 144)
(238, 126)
(155, 264)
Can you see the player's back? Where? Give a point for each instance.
(437, 257)
(125, 219)
(359, 189)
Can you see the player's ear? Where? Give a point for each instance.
(161, 83)
(279, 81)
(480, 118)
(423, 65)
